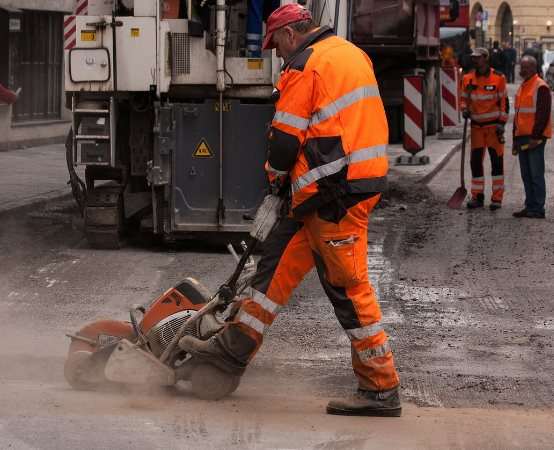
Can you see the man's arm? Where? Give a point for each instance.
(503, 100)
(291, 121)
(544, 106)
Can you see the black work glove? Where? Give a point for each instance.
(466, 114)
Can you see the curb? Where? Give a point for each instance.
(36, 202)
(427, 178)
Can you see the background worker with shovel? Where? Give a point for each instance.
(485, 102)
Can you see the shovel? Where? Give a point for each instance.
(459, 196)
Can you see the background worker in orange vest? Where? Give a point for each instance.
(328, 138)
(485, 101)
(532, 127)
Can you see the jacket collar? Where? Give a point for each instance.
(316, 36)
(529, 80)
(486, 74)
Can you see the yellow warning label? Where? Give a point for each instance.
(203, 150)
(88, 35)
(135, 32)
(255, 64)
(226, 106)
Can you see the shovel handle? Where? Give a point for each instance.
(463, 155)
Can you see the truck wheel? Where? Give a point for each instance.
(104, 217)
(210, 383)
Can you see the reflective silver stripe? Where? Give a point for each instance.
(477, 187)
(527, 110)
(497, 187)
(369, 353)
(367, 331)
(489, 115)
(343, 102)
(483, 96)
(252, 322)
(253, 47)
(363, 154)
(291, 120)
(497, 177)
(465, 94)
(267, 304)
(253, 36)
(275, 171)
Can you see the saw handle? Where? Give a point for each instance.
(228, 290)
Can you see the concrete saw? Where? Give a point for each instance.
(143, 351)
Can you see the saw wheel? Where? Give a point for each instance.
(210, 383)
(80, 373)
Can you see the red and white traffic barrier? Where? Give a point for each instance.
(70, 24)
(449, 97)
(414, 136)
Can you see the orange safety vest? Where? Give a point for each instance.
(526, 107)
(485, 96)
(329, 100)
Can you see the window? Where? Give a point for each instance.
(36, 55)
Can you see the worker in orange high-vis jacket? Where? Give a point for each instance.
(532, 128)
(485, 102)
(328, 138)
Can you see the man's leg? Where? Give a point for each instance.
(525, 170)
(254, 27)
(340, 253)
(476, 163)
(286, 259)
(496, 153)
(538, 186)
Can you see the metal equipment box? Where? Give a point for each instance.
(196, 164)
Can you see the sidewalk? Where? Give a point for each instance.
(438, 150)
(40, 173)
(31, 175)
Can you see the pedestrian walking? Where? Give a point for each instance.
(328, 137)
(497, 60)
(532, 128)
(484, 100)
(8, 96)
(510, 56)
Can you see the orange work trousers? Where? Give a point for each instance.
(486, 138)
(339, 253)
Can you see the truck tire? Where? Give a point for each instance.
(104, 217)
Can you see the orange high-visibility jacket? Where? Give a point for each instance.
(486, 98)
(329, 132)
(526, 107)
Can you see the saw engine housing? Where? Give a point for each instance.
(165, 316)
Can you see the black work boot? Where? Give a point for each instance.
(368, 403)
(495, 205)
(212, 352)
(476, 202)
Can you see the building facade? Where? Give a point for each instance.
(523, 23)
(31, 58)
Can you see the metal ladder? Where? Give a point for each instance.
(83, 111)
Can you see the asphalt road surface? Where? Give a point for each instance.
(466, 298)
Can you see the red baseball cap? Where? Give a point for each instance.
(284, 15)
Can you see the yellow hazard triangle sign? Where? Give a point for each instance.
(203, 150)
